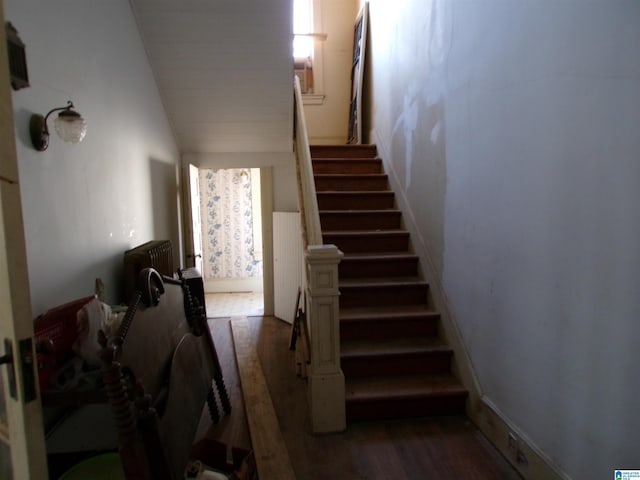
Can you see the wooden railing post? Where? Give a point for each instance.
(326, 388)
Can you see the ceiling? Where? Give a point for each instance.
(224, 70)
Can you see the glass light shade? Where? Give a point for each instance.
(70, 126)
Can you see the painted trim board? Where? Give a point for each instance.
(270, 451)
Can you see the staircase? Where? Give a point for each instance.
(394, 363)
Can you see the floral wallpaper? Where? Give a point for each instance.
(227, 224)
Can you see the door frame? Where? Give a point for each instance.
(266, 200)
(193, 241)
(24, 415)
(222, 285)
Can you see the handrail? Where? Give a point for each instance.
(312, 234)
(325, 378)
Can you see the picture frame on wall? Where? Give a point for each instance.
(357, 75)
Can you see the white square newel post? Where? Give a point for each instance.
(326, 380)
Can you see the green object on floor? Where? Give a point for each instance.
(101, 467)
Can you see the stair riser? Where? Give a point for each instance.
(405, 408)
(351, 297)
(350, 183)
(362, 201)
(368, 243)
(360, 221)
(347, 166)
(382, 268)
(343, 151)
(367, 366)
(391, 328)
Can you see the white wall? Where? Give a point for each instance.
(328, 122)
(85, 204)
(512, 128)
(284, 190)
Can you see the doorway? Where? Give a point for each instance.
(231, 226)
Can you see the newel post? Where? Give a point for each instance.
(326, 380)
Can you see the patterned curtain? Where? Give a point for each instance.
(227, 224)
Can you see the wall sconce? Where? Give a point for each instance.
(69, 125)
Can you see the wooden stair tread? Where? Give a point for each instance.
(343, 151)
(378, 264)
(379, 257)
(355, 199)
(346, 159)
(392, 346)
(384, 312)
(386, 211)
(363, 389)
(388, 321)
(332, 182)
(344, 175)
(381, 282)
(356, 193)
(361, 220)
(347, 165)
(347, 233)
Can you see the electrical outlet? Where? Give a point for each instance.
(521, 458)
(514, 445)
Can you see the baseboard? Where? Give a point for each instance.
(516, 447)
(461, 364)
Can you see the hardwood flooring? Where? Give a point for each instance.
(428, 448)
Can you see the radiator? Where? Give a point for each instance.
(156, 254)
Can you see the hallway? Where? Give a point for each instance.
(433, 448)
(221, 305)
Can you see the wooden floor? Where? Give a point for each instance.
(429, 448)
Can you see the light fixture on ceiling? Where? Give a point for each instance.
(69, 125)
